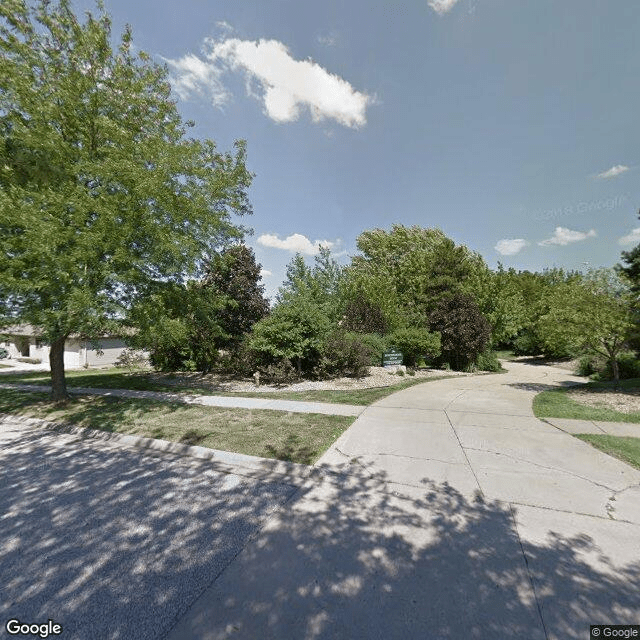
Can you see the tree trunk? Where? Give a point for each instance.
(56, 362)
(616, 373)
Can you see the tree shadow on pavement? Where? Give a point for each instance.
(538, 387)
(117, 543)
(352, 559)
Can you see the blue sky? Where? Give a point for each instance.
(511, 125)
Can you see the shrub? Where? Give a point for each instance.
(168, 344)
(527, 344)
(30, 360)
(295, 330)
(281, 372)
(488, 361)
(464, 330)
(628, 365)
(587, 366)
(132, 359)
(3, 353)
(376, 345)
(239, 361)
(414, 343)
(531, 343)
(344, 354)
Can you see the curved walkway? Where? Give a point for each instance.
(447, 511)
(240, 402)
(479, 435)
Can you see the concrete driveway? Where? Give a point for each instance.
(446, 511)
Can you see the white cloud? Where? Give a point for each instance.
(224, 27)
(613, 172)
(509, 247)
(296, 243)
(283, 84)
(563, 236)
(631, 238)
(328, 40)
(442, 6)
(193, 75)
(265, 273)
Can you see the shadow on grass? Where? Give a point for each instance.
(541, 361)
(115, 543)
(95, 412)
(292, 451)
(191, 437)
(97, 379)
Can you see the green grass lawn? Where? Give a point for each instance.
(560, 404)
(296, 437)
(100, 379)
(144, 381)
(626, 449)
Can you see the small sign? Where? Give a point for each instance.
(392, 357)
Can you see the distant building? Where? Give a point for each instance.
(24, 342)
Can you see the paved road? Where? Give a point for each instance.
(450, 512)
(116, 542)
(446, 511)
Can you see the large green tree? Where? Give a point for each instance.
(407, 270)
(102, 195)
(631, 272)
(319, 284)
(233, 275)
(632, 269)
(591, 314)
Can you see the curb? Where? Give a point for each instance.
(224, 461)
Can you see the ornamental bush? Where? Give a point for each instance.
(415, 343)
(294, 331)
(344, 354)
(376, 345)
(488, 361)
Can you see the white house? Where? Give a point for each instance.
(24, 342)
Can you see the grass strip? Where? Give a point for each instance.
(101, 379)
(560, 404)
(626, 449)
(117, 379)
(294, 437)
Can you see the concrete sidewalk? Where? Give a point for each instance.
(598, 427)
(447, 511)
(292, 406)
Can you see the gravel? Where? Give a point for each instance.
(378, 377)
(625, 400)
